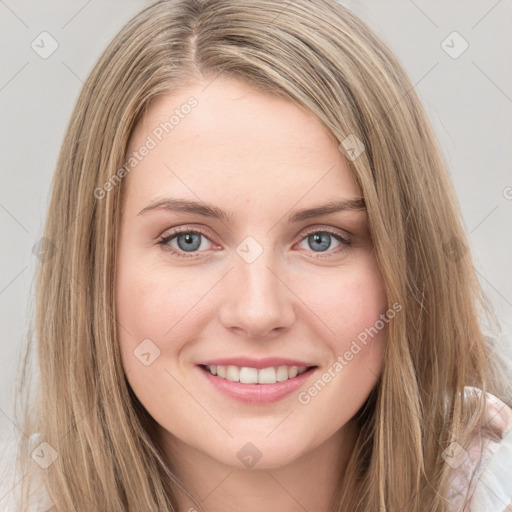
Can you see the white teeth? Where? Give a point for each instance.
(247, 375)
(282, 373)
(233, 374)
(267, 376)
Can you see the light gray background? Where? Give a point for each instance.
(469, 101)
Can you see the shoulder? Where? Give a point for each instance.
(483, 469)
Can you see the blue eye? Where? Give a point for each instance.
(322, 240)
(190, 241)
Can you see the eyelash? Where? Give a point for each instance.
(167, 237)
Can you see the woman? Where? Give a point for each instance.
(196, 350)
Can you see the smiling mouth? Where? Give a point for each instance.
(248, 375)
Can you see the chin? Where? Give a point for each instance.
(259, 453)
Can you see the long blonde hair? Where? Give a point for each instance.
(321, 56)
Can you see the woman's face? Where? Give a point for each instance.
(250, 283)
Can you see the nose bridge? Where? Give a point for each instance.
(259, 302)
(254, 268)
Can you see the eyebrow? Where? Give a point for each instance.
(209, 210)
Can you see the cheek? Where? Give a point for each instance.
(147, 306)
(150, 300)
(164, 307)
(140, 308)
(349, 304)
(358, 314)
(363, 330)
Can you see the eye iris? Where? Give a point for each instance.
(317, 239)
(189, 238)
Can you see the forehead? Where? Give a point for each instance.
(226, 141)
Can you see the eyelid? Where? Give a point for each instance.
(344, 236)
(184, 229)
(327, 229)
(190, 228)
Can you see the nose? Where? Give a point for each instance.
(259, 303)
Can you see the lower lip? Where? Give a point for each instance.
(257, 393)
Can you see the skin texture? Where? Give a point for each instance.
(260, 158)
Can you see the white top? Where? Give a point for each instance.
(482, 474)
(490, 464)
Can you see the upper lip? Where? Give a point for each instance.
(266, 362)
